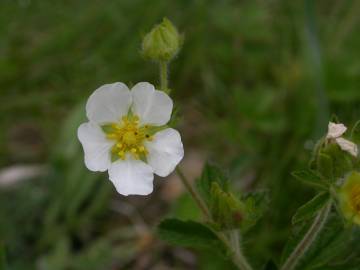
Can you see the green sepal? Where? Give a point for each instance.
(107, 128)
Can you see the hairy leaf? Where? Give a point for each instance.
(325, 166)
(309, 209)
(211, 174)
(310, 177)
(187, 234)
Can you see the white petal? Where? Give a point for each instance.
(108, 103)
(96, 147)
(152, 106)
(131, 177)
(335, 130)
(165, 151)
(347, 146)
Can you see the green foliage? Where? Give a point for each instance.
(310, 209)
(211, 174)
(188, 234)
(256, 203)
(227, 211)
(355, 133)
(333, 247)
(325, 166)
(311, 178)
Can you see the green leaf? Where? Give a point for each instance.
(255, 206)
(341, 161)
(311, 178)
(331, 246)
(187, 234)
(211, 174)
(355, 133)
(325, 166)
(227, 210)
(310, 209)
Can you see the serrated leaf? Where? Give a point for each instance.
(227, 210)
(330, 247)
(310, 177)
(341, 161)
(187, 234)
(309, 209)
(255, 205)
(211, 174)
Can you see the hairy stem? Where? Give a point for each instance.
(237, 257)
(308, 239)
(198, 200)
(233, 244)
(164, 76)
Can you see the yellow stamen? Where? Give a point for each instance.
(129, 137)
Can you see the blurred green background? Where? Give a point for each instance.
(255, 84)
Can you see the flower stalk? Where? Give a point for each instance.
(164, 76)
(308, 239)
(231, 244)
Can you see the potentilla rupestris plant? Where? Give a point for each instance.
(128, 135)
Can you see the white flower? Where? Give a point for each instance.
(126, 135)
(335, 131)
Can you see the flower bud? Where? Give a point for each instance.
(349, 197)
(162, 43)
(227, 210)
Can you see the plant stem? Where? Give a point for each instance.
(308, 239)
(164, 76)
(237, 256)
(198, 200)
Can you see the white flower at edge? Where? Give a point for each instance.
(126, 135)
(335, 131)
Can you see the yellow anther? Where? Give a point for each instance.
(129, 137)
(121, 154)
